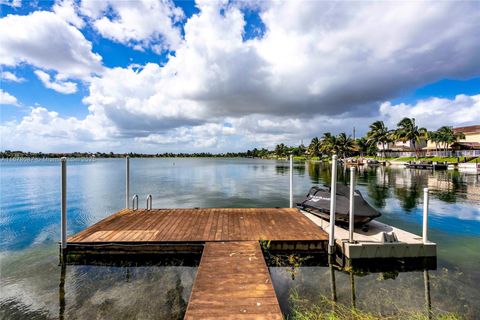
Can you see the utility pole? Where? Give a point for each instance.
(353, 133)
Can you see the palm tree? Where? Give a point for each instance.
(448, 136)
(314, 147)
(379, 134)
(409, 131)
(328, 144)
(434, 136)
(365, 147)
(281, 150)
(344, 144)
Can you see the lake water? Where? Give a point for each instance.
(34, 286)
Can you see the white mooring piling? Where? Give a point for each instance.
(425, 215)
(352, 207)
(63, 240)
(333, 206)
(127, 182)
(291, 181)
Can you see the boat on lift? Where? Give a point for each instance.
(317, 202)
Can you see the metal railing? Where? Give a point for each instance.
(135, 202)
(127, 181)
(63, 205)
(351, 225)
(149, 202)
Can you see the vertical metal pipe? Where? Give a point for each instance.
(61, 292)
(291, 181)
(333, 205)
(63, 241)
(351, 218)
(333, 284)
(428, 301)
(127, 182)
(352, 286)
(425, 215)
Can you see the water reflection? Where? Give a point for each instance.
(341, 297)
(34, 286)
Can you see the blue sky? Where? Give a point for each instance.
(228, 76)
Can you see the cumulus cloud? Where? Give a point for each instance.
(42, 129)
(202, 136)
(45, 40)
(7, 99)
(318, 67)
(140, 24)
(8, 76)
(57, 84)
(433, 113)
(67, 10)
(304, 66)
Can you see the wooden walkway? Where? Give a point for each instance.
(202, 225)
(233, 282)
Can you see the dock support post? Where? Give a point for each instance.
(425, 215)
(352, 286)
(127, 182)
(291, 181)
(63, 239)
(333, 205)
(428, 301)
(351, 218)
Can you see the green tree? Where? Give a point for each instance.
(328, 144)
(447, 136)
(344, 144)
(281, 150)
(365, 147)
(314, 147)
(434, 136)
(408, 131)
(379, 134)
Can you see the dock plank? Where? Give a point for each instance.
(202, 225)
(225, 287)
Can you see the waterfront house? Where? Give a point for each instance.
(400, 148)
(468, 147)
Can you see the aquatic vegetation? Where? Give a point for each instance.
(303, 309)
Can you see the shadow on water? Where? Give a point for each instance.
(293, 272)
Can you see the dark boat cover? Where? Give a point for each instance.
(317, 201)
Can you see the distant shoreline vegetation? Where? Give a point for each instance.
(319, 148)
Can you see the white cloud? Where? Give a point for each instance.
(67, 10)
(42, 129)
(433, 113)
(45, 40)
(314, 60)
(319, 67)
(7, 75)
(59, 85)
(7, 98)
(140, 24)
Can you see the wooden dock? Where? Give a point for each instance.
(201, 225)
(233, 281)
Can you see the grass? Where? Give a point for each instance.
(303, 158)
(329, 310)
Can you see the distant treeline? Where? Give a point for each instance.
(342, 145)
(7, 154)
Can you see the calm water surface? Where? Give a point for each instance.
(34, 286)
